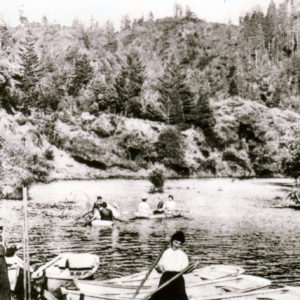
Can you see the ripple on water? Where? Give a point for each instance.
(233, 222)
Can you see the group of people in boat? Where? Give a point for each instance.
(167, 207)
(102, 211)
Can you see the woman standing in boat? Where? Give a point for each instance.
(172, 262)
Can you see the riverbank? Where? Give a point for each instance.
(253, 142)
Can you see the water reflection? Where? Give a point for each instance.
(233, 222)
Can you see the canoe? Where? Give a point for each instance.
(138, 215)
(295, 207)
(124, 287)
(102, 223)
(285, 293)
(14, 267)
(66, 267)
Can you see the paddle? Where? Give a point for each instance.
(190, 267)
(82, 216)
(151, 268)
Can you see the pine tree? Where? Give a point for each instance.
(31, 73)
(271, 30)
(83, 73)
(175, 96)
(128, 85)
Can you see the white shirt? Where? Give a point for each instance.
(170, 205)
(173, 260)
(144, 208)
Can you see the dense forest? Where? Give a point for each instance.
(176, 71)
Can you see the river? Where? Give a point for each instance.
(232, 222)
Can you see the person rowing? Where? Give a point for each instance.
(106, 213)
(98, 206)
(160, 207)
(172, 262)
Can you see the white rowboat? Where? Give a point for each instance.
(66, 267)
(102, 223)
(124, 288)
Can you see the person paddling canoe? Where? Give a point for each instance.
(172, 262)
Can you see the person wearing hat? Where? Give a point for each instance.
(144, 208)
(172, 262)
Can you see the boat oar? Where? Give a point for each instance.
(189, 268)
(150, 269)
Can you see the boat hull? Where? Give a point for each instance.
(64, 268)
(156, 216)
(102, 223)
(196, 282)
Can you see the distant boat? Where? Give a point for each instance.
(102, 223)
(295, 207)
(66, 267)
(138, 215)
(200, 284)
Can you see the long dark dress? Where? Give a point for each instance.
(173, 291)
(4, 281)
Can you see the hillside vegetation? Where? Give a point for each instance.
(189, 97)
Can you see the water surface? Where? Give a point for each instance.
(232, 222)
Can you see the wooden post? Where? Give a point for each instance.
(26, 268)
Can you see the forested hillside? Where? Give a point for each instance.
(190, 97)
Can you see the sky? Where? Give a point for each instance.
(65, 11)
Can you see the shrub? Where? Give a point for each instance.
(170, 150)
(157, 178)
(49, 154)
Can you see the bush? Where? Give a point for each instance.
(157, 178)
(170, 146)
(49, 154)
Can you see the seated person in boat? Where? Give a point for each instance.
(160, 207)
(170, 205)
(98, 202)
(106, 213)
(98, 206)
(172, 262)
(144, 208)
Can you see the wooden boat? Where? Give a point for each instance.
(295, 207)
(102, 223)
(138, 215)
(285, 293)
(124, 288)
(15, 267)
(66, 267)
(241, 283)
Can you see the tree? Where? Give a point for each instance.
(128, 85)
(83, 73)
(31, 72)
(175, 96)
(291, 163)
(156, 177)
(170, 150)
